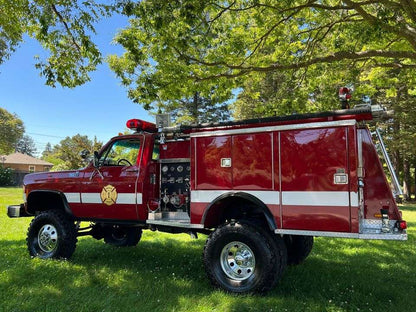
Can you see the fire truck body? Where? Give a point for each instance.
(262, 188)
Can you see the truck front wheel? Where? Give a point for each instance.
(51, 235)
(242, 258)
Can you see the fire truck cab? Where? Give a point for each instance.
(262, 189)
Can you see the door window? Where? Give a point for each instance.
(121, 153)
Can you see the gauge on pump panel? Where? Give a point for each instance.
(188, 168)
(172, 168)
(165, 169)
(180, 168)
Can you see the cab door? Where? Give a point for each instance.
(109, 190)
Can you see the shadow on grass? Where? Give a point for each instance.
(165, 273)
(408, 207)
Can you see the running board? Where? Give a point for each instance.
(384, 236)
(179, 219)
(175, 223)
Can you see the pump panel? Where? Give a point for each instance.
(174, 185)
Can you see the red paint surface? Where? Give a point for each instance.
(178, 149)
(252, 161)
(316, 218)
(310, 158)
(210, 174)
(377, 192)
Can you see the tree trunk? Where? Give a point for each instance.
(414, 185)
(406, 180)
(194, 111)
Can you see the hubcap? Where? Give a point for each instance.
(237, 261)
(48, 238)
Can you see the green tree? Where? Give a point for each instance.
(26, 145)
(396, 90)
(174, 49)
(63, 28)
(11, 131)
(196, 110)
(66, 154)
(173, 44)
(47, 151)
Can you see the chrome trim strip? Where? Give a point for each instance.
(196, 165)
(330, 199)
(122, 198)
(354, 198)
(74, 198)
(312, 125)
(175, 224)
(91, 198)
(204, 196)
(321, 198)
(280, 182)
(272, 138)
(360, 153)
(342, 234)
(174, 160)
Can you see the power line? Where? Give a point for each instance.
(46, 135)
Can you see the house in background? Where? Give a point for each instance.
(23, 164)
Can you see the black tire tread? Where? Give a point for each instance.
(133, 236)
(276, 262)
(298, 248)
(66, 227)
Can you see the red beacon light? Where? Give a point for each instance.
(344, 95)
(141, 125)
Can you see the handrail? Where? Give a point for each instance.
(395, 181)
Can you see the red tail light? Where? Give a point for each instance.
(403, 225)
(141, 125)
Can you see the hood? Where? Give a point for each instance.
(50, 176)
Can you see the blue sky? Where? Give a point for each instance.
(98, 108)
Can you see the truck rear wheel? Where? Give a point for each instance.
(242, 258)
(298, 248)
(51, 235)
(123, 236)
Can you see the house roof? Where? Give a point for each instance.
(22, 159)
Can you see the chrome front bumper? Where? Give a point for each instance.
(17, 211)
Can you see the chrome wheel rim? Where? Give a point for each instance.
(237, 261)
(48, 238)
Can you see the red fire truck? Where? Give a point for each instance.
(261, 188)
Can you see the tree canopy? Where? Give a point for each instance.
(26, 145)
(63, 28)
(11, 131)
(66, 154)
(174, 48)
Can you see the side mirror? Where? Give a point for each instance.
(95, 160)
(84, 154)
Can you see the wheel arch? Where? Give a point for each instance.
(236, 205)
(41, 200)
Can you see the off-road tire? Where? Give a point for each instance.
(298, 248)
(123, 236)
(51, 234)
(257, 276)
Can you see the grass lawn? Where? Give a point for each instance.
(165, 273)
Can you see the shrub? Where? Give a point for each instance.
(6, 176)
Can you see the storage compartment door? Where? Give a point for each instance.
(315, 179)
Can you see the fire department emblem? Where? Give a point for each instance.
(109, 195)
